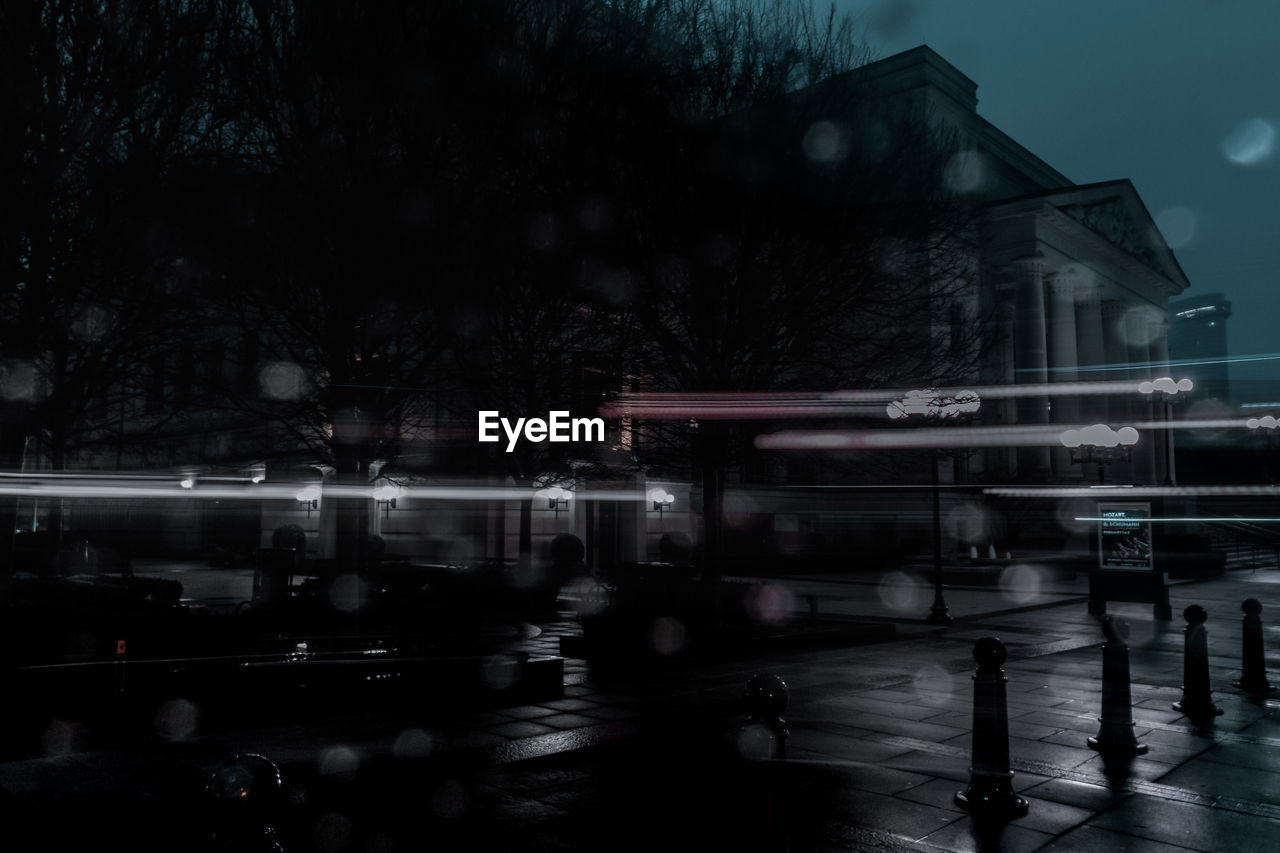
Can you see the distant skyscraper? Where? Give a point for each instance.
(1198, 334)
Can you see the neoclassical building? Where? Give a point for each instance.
(1072, 283)
(1078, 281)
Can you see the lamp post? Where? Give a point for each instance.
(1169, 390)
(930, 404)
(1268, 423)
(1099, 444)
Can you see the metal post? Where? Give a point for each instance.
(1115, 733)
(938, 614)
(990, 792)
(1197, 698)
(1253, 663)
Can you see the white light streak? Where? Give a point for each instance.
(164, 488)
(1129, 491)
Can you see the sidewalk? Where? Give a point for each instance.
(880, 740)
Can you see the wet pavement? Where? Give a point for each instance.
(654, 756)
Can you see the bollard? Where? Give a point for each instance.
(765, 733)
(764, 737)
(121, 660)
(990, 792)
(1197, 703)
(1253, 663)
(1115, 734)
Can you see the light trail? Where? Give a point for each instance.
(98, 487)
(868, 403)
(1130, 491)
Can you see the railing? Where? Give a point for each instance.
(1246, 544)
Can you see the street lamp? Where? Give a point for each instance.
(933, 405)
(661, 499)
(1170, 390)
(308, 496)
(1099, 444)
(557, 498)
(1269, 423)
(385, 496)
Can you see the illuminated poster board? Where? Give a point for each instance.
(1124, 536)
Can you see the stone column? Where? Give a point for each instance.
(1063, 360)
(1120, 407)
(1091, 350)
(1158, 352)
(1138, 336)
(1003, 460)
(1031, 361)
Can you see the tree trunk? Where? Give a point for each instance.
(13, 437)
(712, 461)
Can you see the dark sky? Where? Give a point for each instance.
(1182, 97)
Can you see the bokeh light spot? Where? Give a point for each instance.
(1020, 583)
(825, 142)
(17, 380)
(500, 672)
(755, 742)
(668, 636)
(339, 762)
(62, 737)
(1250, 143)
(282, 380)
(1177, 225)
(1141, 324)
(413, 743)
(347, 593)
(177, 720)
(965, 172)
(933, 684)
(769, 603)
(901, 592)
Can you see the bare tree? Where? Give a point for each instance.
(102, 100)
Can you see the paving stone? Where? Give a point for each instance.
(1190, 825)
(529, 712)
(1143, 768)
(1055, 755)
(939, 793)
(609, 712)
(1073, 793)
(1052, 817)
(851, 707)
(907, 728)
(968, 836)
(519, 729)
(831, 746)
(1243, 755)
(1224, 780)
(1097, 840)
(1086, 723)
(910, 820)
(884, 780)
(570, 704)
(951, 769)
(567, 721)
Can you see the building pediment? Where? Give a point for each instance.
(1114, 212)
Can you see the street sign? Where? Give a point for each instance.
(1126, 561)
(1124, 536)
